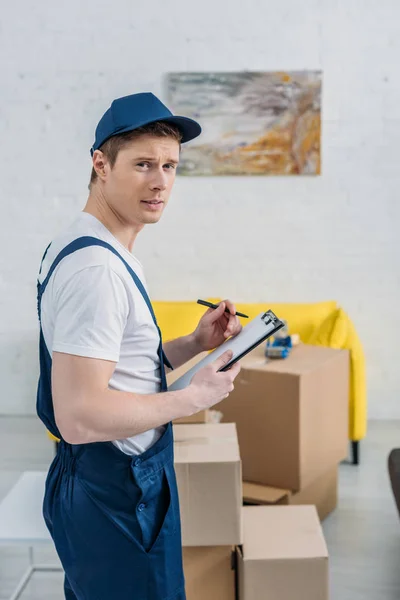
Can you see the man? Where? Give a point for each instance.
(111, 502)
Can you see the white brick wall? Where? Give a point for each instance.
(251, 239)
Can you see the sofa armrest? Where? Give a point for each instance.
(338, 331)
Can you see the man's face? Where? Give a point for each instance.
(138, 186)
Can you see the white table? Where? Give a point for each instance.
(21, 522)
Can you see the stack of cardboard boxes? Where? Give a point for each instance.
(290, 421)
(209, 476)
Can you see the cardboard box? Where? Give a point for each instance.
(204, 415)
(291, 415)
(322, 493)
(209, 573)
(209, 477)
(284, 554)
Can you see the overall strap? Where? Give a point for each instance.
(85, 242)
(44, 256)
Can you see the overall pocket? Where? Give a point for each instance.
(157, 510)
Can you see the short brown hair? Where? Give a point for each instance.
(114, 144)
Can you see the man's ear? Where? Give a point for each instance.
(99, 164)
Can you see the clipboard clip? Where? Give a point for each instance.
(270, 317)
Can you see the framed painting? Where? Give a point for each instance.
(254, 123)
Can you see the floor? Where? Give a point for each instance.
(363, 534)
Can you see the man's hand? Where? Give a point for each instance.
(210, 386)
(216, 325)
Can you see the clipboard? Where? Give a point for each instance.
(252, 335)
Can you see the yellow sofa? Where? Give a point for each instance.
(320, 323)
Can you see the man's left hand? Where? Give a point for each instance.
(216, 325)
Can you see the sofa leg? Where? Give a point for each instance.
(355, 446)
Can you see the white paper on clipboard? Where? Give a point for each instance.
(254, 333)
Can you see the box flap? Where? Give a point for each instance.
(208, 442)
(263, 494)
(282, 532)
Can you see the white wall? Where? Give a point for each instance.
(250, 239)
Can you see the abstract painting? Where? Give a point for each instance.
(254, 123)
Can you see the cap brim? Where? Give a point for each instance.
(189, 128)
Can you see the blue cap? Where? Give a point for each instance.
(136, 110)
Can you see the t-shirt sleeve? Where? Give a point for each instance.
(91, 311)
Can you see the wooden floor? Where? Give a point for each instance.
(363, 534)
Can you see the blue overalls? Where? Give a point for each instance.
(114, 518)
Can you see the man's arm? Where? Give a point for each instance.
(86, 410)
(181, 350)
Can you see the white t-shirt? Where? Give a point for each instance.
(92, 307)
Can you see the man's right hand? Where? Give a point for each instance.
(209, 385)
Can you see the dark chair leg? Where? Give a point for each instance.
(355, 446)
